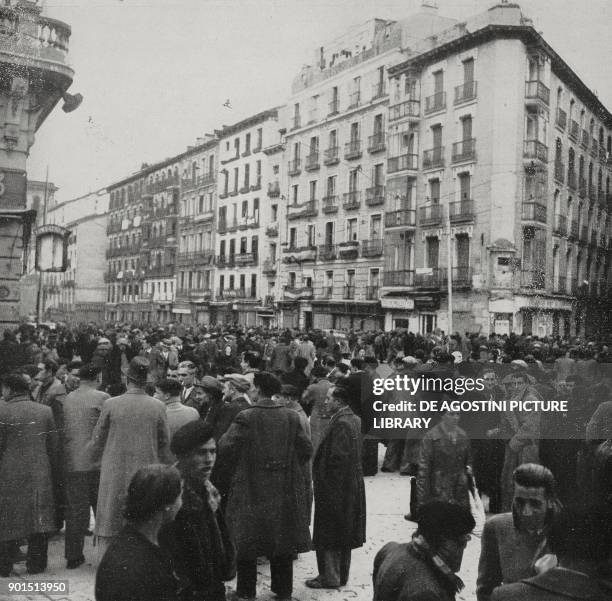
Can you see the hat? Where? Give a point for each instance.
(188, 437)
(138, 369)
(210, 383)
(519, 363)
(103, 341)
(238, 381)
(122, 341)
(410, 360)
(166, 342)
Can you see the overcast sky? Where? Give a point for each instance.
(155, 74)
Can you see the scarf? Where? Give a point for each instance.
(450, 580)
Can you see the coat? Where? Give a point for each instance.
(199, 543)
(554, 585)
(314, 397)
(400, 574)
(132, 432)
(134, 569)
(339, 491)
(267, 511)
(507, 555)
(442, 467)
(29, 448)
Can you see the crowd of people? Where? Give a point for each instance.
(201, 449)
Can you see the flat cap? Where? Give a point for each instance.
(238, 381)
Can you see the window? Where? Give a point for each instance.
(468, 70)
(291, 279)
(329, 233)
(375, 227)
(259, 138)
(311, 235)
(235, 179)
(244, 209)
(274, 212)
(247, 144)
(293, 237)
(294, 194)
(231, 282)
(466, 128)
(354, 131)
(465, 183)
(438, 81)
(242, 285)
(313, 189)
(243, 246)
(434, 191)
(331, 185)
(247, 174)
(256, 210)
(436, 135)
(433, 250)
(253, 285)
(378, 125)
(378, 177)
(237, 146)
(255, 245)
(353, 180)
(232, 249)
(351, 229)
(350, 277)
(221, 282)
(333, 138)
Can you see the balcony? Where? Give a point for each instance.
(349, 292)
(536, 92)
(312, 162)
(352, 200)
(574, 130)
(328, 252)
(294, 167)
(427, 278)
(561, 120)
(404, 162)
(257, 185)
(195, 257)
(408, 108)
(533, 211)
(572, 180)
(401, 277)
(306, 209)
(348, 250)
(354, 100)
(272, 229)
(352, 150)
(560, 225)
(160, 271)
(560, 172)
(291, 293)
(379, 90)
(376, 143)
(269, 267)
(430, 215)
(535, 150)
(332, 156)
(400, 218)
(461, 210)
(299, 254)
(435, 102)
(533, 278)
(461, 277)
(372, 293)
(375, 196)
(334, 108)
(243, 259)
(466, 92)
(330, 204)
(225, 261)
(585, 139)
(372, 248)
(433, 158)
(465, 150)
(274, 189)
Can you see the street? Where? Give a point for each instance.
(386, 502)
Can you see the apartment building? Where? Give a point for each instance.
(196, 238)
(335, 158)
(79, 293)
(498, 178)
(245, 215)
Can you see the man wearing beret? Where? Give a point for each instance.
(267, 511)
(201, 548)
(132, 431)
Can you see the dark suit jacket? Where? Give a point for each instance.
(555, 585)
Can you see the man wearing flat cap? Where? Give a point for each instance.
(132, 431)
(426, 567)
(198, 540)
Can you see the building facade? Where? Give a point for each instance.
(500, 146)
(79, 293)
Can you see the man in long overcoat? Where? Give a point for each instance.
(267, 511)
(132, 432)
(28, 458)
(339, 493)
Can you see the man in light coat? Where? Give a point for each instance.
(267, 510)
(28, 458)
(132, 432)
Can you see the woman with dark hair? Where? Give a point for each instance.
(134, 567)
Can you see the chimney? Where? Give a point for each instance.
(429, 7)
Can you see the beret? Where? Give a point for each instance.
(444, 519)
(188, 437)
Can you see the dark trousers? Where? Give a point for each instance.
(334, 566)
(36, 560)
(281, 569)
(369, 456)
(402, 455)
(81, 494)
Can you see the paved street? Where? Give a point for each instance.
(386, 499)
